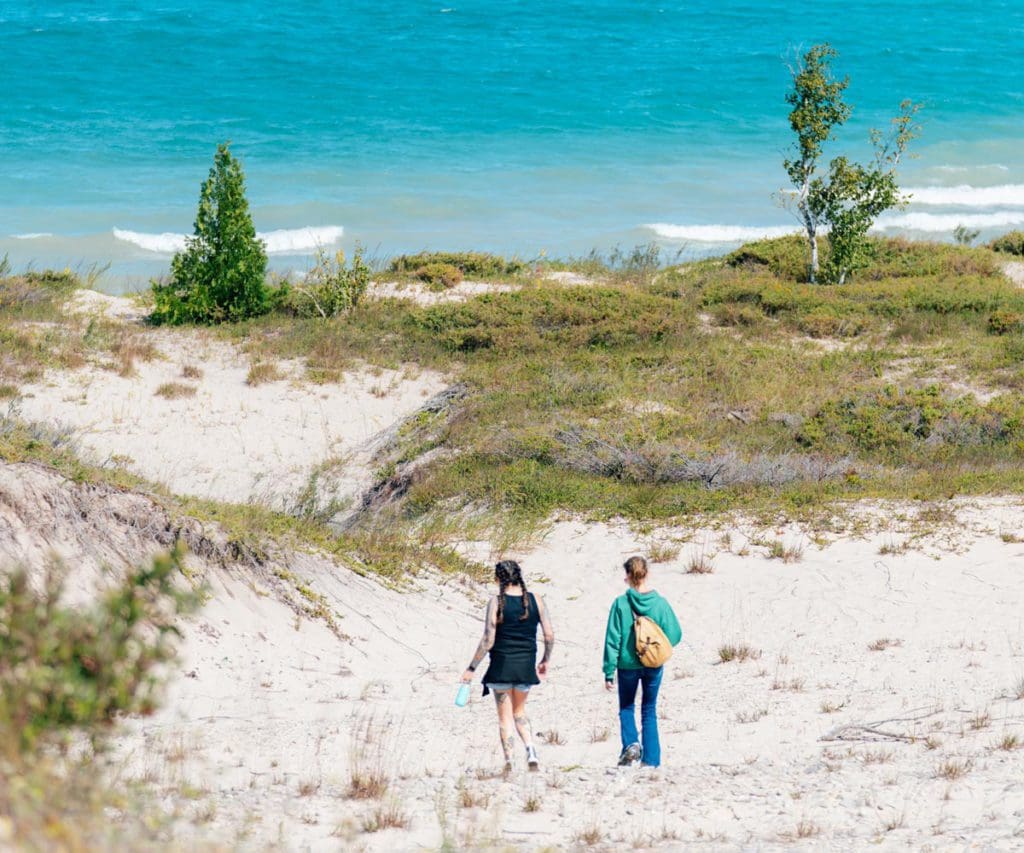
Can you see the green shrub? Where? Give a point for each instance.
(822, 323)
(36, 295)
(530, 320)
(890, 257)
(65, 667)
(1011, 243)
(786, 257)
(895, 420)
(1004, 321)
(733, 314)
(439, 276)
(220, 274)
(332, 287)
(481, 264)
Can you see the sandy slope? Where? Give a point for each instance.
(258, 737)
(228, 441)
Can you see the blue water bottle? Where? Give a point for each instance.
(462, 697)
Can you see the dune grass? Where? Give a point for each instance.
(633, 397)
(654, 393)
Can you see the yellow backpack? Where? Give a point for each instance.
(652, 646)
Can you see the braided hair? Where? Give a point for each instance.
(508, 573)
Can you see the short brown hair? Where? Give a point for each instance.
(636, 568)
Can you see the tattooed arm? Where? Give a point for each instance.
(486, 641)
(549, 636)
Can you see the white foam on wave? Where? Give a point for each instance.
(1006, 195)
(32, 235)
(997, 166)
(284, 241)
(291, 240)
(946, 222)
(719, 233)
(168, 242)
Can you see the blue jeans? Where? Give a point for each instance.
(629, 680)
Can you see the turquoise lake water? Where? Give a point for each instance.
(518, 127)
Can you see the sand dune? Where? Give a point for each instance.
(880, 703)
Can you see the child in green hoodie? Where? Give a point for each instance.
(620, 654)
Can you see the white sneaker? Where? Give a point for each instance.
(531, 758)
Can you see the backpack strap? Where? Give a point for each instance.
(632, 609)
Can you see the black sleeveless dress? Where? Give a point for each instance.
(514, 653)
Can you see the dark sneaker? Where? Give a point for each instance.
(531, 758)
(630, 755)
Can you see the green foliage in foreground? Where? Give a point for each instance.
(333, 287)
(1011, 243)
(64, 667)
(220, 275)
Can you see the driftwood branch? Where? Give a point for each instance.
(877, 731)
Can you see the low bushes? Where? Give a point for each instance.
(1011, 243)
(481, 264)
(63, 668)
(823, 311)
(439, 276)
(786, 258)
(1004, 321)
(896, 421)
(593, 317)
(334, 286)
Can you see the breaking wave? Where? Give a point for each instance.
(284, 241)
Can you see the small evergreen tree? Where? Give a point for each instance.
(849, 199)
(220, 274)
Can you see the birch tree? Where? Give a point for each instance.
(849, 197)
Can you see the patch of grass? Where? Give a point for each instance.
(552, 737)
(308, 787)
(952, 769)
(699, 563)
(883, 643)
(370, 769)
(175, 390)
(751, 716)
(190, 371)
(738, 652)
(1009, 742)
(662, 552)
(807, 829)
(468, 799)
(881, 756)
(589, 835)
(980, 720)
(389, 815)
(788, 553)
(262, 372)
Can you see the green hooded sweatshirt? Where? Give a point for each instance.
(620, 638)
